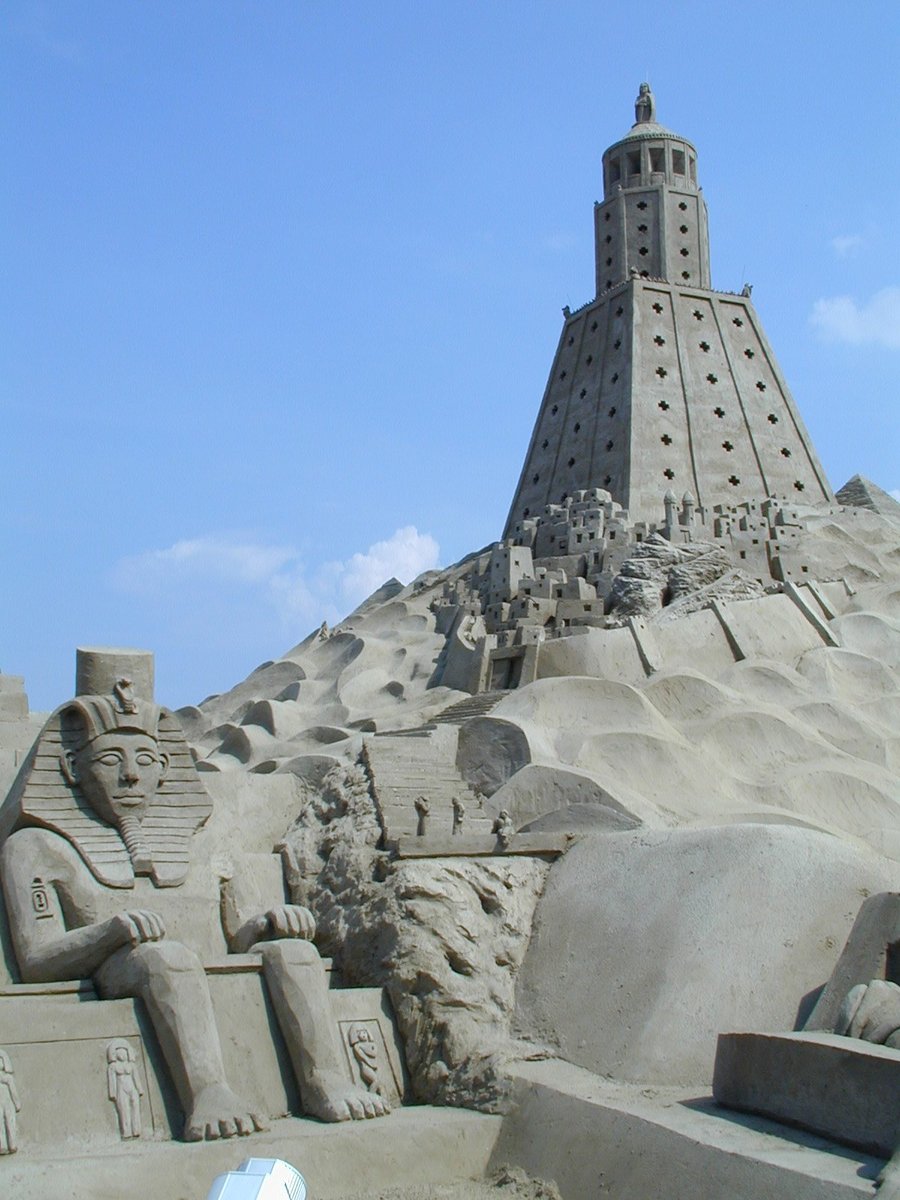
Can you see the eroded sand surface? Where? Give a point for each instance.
(732, 807)
(509, 1183)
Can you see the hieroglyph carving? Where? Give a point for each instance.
(124, 1087)
(10, 1105)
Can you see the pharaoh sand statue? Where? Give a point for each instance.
(97, 872)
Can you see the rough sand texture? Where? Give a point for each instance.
(737, 795)
(446, 937)
(773, 724)
(509, 1183)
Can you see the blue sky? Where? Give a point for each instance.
(281, 284)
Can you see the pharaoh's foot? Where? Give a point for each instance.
(218, 1113)
(331, 1098)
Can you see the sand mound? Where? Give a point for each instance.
(647, 944)
(686, 696)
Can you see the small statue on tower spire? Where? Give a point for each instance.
(644, 105)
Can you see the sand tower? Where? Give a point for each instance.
(661, 383)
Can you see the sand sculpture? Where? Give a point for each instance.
(92, 873)
(568, 813)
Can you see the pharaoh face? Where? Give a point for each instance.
(119, 773)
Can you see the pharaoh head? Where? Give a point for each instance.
(99, 775)
(113, 752)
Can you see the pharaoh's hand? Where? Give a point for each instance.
(137, 926)
(290, 921)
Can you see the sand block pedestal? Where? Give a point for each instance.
(414, 1145)
(58, 1039)
(599, 1137)
(838, 1087)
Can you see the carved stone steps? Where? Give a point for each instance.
(576, 1128)
(419, 1145)
(473, 706)
(403, 769)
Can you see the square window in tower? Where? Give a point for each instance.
(678, 162)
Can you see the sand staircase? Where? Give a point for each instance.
(424, 764)
(472, 706)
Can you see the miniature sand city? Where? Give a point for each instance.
(569, 870)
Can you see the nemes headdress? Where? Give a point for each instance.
(43, 796)
(87, 717)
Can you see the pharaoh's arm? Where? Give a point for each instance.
(35, 865)
(283, 921)
(246, 922)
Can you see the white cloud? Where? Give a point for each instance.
(273, 574)
(406, 554)
(217, 558)
(876, 322)
(845, 245)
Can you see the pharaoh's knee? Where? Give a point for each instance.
(158, 959)
(289, 952)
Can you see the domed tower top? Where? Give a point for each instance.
(652, 221)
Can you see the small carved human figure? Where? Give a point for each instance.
(365, 1051)
(422, 814)
(459, 815)
(107, 836)
(10, 1104)
(504, 828)
(644, 105)
(124, 1087)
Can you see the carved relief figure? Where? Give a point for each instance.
(365, 1051)
(644, 105)
(124, 1087)
(10, 1104)
(102, 817)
